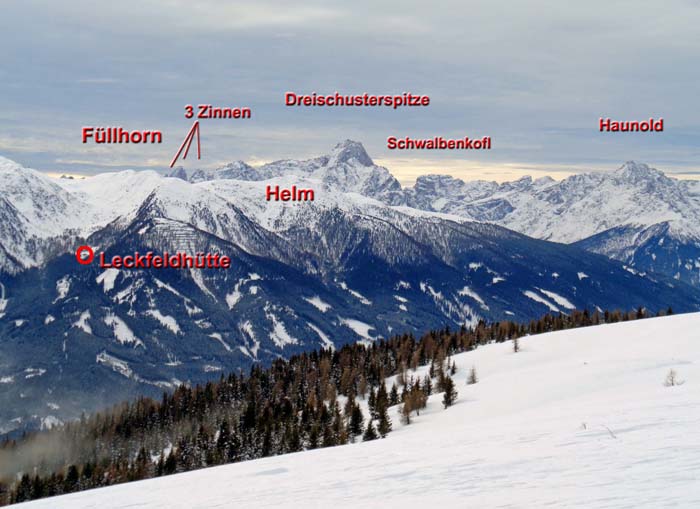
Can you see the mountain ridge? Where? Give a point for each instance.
(345, 267)
(632, 200)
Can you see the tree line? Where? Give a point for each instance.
(311, 400)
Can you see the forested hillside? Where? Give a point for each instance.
(319, 399)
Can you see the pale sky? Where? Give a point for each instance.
(535, 76)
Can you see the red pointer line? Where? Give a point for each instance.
(190, 137)
(188, 141)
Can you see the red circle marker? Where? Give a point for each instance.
(88, 260)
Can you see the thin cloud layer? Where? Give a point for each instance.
(534, 76)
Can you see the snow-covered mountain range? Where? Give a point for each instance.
(635, 214)
(347, 169)
(364, 260)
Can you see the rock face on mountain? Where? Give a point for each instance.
(619, 214)
(347, 169)
(357, 263)
(614, 213)
(35, 214)
(611, 213)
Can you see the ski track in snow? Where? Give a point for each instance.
(236, 295)
(327, 343)
(3, 300)
(562, 301)
(360, 328)
(82, 322)
(364, 300)
(538, 298)
(107, 278)
(578, 418)
(166, 321)
(246, 328)
(118, 365)
(217, 336)
(199, 281)
(318, 303)
(468, 292)
(122, 332)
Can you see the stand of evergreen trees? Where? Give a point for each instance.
(290, 406)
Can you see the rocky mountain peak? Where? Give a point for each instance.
(349, 150)
(233, 165)
(636, 171)
(178, 172)
(521, 184)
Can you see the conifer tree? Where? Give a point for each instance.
(419, 399)
(384, 424)
(4, 494)
(349, 406)
(87, 474)
(362, 386)
(370, 432)
(293, 440)
(72, 478)
(141, 465)
(356, 421)
(170, 465)
(393, 396)
(427, 385)
(472, 378)
(38, 489)
(340, 435)
(328, 437)
(223, 442)
(313, 437)
(160, 465)
(267, 443)
(372, 401)
(23, 491)
(450, 394)
(382, 397)
(406, 410)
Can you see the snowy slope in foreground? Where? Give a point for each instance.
(578, 418)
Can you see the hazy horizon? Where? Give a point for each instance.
(535, 77)
(406, 171)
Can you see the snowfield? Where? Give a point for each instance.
(577, 418)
